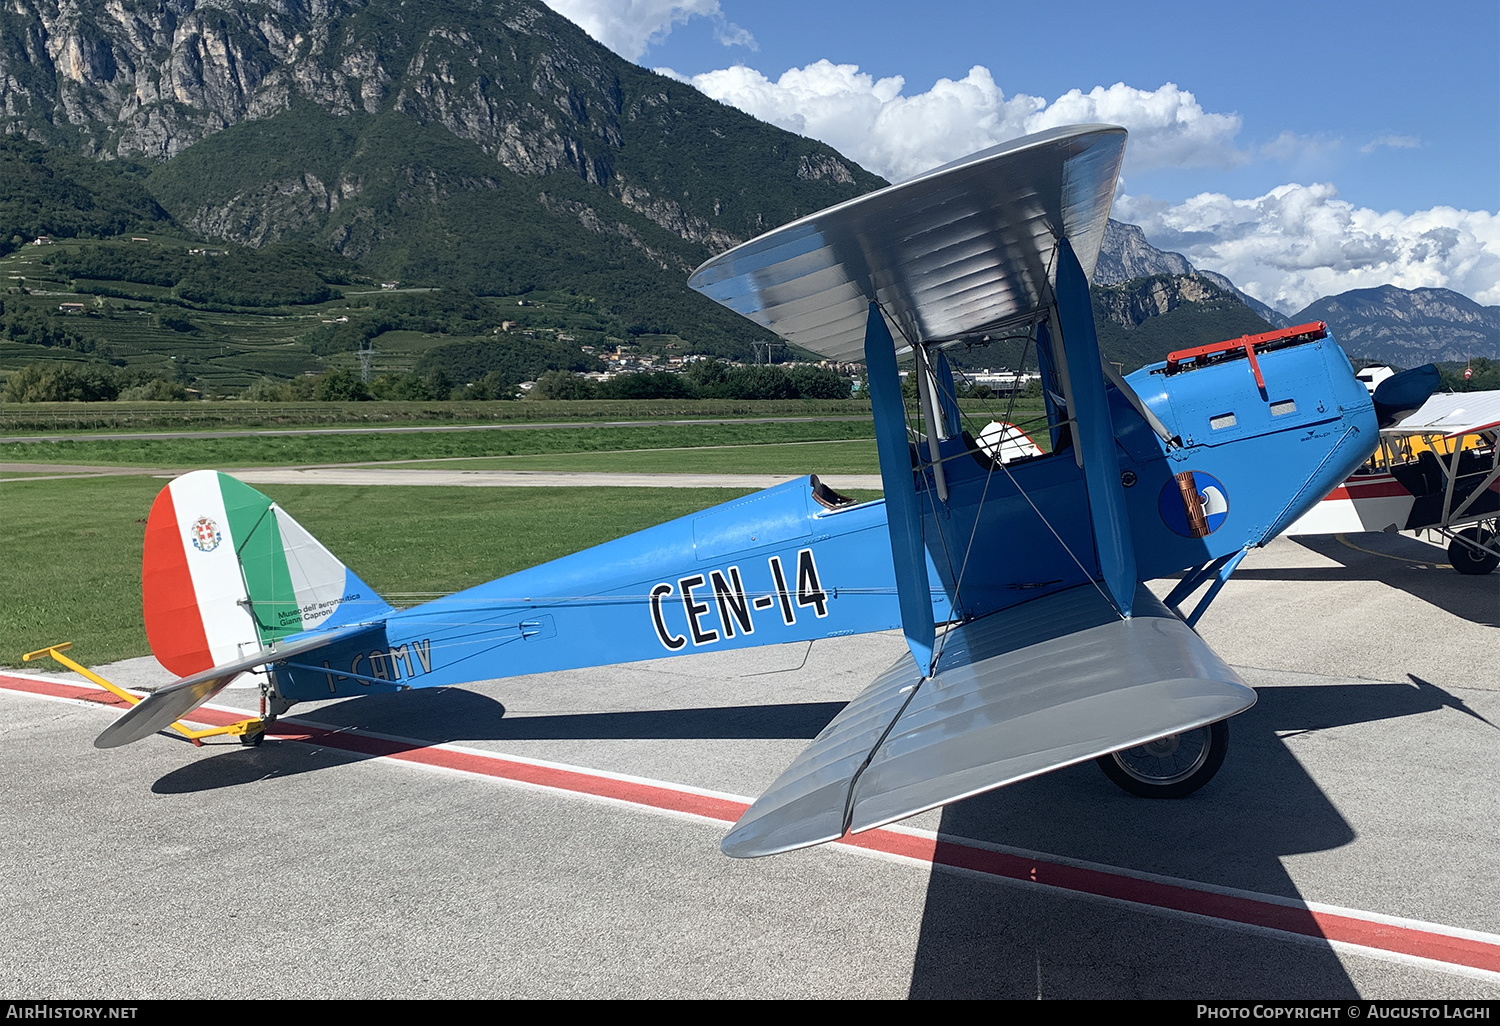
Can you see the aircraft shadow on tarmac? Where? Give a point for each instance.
(443, 715)
(980, 939)
(1402, 562)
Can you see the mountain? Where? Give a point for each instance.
(1126, 254)
(491, 146)
(1141, 320)
(1275, 318)
(58, 192)
(1149, 302)
(484, 147)
(1398, 326)
(1409, 327)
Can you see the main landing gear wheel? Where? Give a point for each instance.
(1171, 766)
(1467, 559)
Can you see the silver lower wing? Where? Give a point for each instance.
(1029, 689)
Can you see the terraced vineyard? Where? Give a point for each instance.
(222, 348)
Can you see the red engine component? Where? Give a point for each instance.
(1247, 343)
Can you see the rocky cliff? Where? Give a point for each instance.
(1126, 254)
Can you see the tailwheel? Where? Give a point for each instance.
(1171, 766)
(1467, 552)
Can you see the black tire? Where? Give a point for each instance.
(1469, 560)
(1172, 766)
(253, 740)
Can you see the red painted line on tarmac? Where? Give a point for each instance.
(58, 689)
(1345, 926)
(579, 781)
(1404, 940)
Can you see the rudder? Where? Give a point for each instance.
(226, 572)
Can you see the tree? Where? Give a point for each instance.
(1486, 376)
(759, 383)
(818, 383)
(494, 385)
(650, 385)
(340, 386)
(439, 385)
(155, 390)
(267, 391)
(61, 383)
(561, 384)
(401, 387)
(707, 377)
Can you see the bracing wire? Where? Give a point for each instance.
(958, 584)
(1040, 515)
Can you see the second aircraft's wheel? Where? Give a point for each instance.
(1171, 766)
(1467, 559)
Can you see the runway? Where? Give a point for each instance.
(366, 474)
(537, 478)
(556, 835)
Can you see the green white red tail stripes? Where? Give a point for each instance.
(226, 572)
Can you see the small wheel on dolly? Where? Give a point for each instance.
(1171, 766)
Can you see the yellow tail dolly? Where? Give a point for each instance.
(250, 731)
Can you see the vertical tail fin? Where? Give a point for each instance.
(227, 572)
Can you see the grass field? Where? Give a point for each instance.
(289, 449)
(78, 418)
(75, 418)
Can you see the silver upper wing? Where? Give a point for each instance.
(953, 253)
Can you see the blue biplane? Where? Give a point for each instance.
(1017, 582)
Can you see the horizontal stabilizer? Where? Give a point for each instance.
(166, 705)
(1032, 688)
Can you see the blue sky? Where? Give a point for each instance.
(1301, 148)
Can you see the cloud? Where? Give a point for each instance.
(1287, 248)
(730, 34)
(1397, 142)
(1292, 147)
(1300, 242)
(629, 27)
(898, 135)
